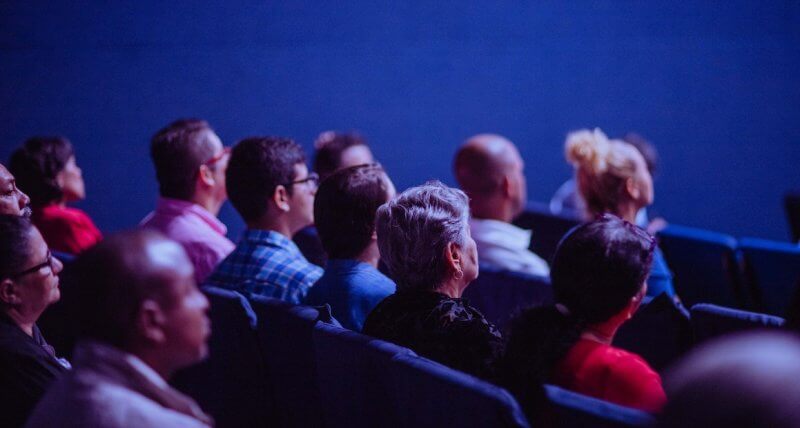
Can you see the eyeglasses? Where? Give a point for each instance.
(312, 180)
(216, 158)
(47, 263)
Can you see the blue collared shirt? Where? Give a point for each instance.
(353, 289)
(266, 263)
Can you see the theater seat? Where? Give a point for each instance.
(573, 410)
(500, 294)
(547, 228)
(285, 334)
(429, 394)
(703, 265)
(660, 332)
(353, 372)
(792, 204)
(710, 321)
(771, 270)
(231, 383)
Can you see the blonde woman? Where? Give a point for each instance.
(612, 177)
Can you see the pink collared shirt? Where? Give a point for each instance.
(200, 233)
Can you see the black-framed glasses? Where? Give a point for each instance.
(312, 179)
(47, 263)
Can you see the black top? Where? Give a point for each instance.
(27, 366)
(438, 327)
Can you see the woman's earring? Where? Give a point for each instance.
(459, 274)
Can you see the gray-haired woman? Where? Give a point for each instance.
(424, 240)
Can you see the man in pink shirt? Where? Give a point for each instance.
(190, 164)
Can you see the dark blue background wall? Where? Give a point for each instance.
(714, 85)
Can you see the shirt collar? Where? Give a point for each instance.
(346, 264)
(493, 231)
(175, 207)
(270, 238)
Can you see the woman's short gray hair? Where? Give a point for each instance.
(414, 230)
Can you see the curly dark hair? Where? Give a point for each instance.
(598, 267)
(36, 165)
(177, 151)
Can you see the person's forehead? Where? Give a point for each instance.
(5, 176)
(355, 155)
(214, 140)
(168, 256)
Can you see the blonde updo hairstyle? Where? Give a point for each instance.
(602, 168)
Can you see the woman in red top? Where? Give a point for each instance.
(45, 167)
(599, 277)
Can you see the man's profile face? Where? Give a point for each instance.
(516, 173)
(301, 201)
(186, 324)
(12, 200)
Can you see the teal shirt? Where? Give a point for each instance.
(352, 289)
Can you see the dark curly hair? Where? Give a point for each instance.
(598, 267)
(36, 164)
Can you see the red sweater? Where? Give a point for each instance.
(611, 374)
(68, 230)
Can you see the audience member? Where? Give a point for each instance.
(28, 284)
(45, 167)
(140, 317)
(190, 164)
(747, 380)
(424, 239)
(271, 188)
(344, 210)
(490, 170)
(612, 177)
(599, 277)
(12, 200)
(334, 151)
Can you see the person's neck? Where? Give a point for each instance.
(23, 321)
(371, 255)
(151, 358)
(452, 288)
(628, 212)
(208, 202)
(603, 332)
(278, 224)
(492, 209)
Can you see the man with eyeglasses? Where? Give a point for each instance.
(269, 185)
(28, 285)
(190, 164)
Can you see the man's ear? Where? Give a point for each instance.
(205, 176)
(507, 186)
(8, 292)
(632, 188)
(150, 322)
(281, 198)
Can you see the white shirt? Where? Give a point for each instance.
(504, 246)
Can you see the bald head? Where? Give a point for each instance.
(110, 282)
(488, 168)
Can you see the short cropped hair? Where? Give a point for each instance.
(345, 207)
(14, 237)
(257, 166)
(329, 147)
(108, 284)
(177, 151)
(414, 230)
(36, 165)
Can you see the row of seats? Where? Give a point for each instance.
(748, 273)
(275, 364)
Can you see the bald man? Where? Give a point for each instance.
(139, 317)
(489, 169)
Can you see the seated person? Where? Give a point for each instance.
(424, 240)
(490, 170)
(599, 277)
(745, 380)
(333, 151)
(12, 200)
(344, 210)
(45, 167)
(28, 284)
(139, 317)
(190, 164)
(271, 188)
(612, 177)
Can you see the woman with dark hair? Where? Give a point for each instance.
(28, 285)
(45, 167)
(599, 275)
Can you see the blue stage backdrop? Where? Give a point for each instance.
(716, 85)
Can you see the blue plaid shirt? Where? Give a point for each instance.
(266, 263)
